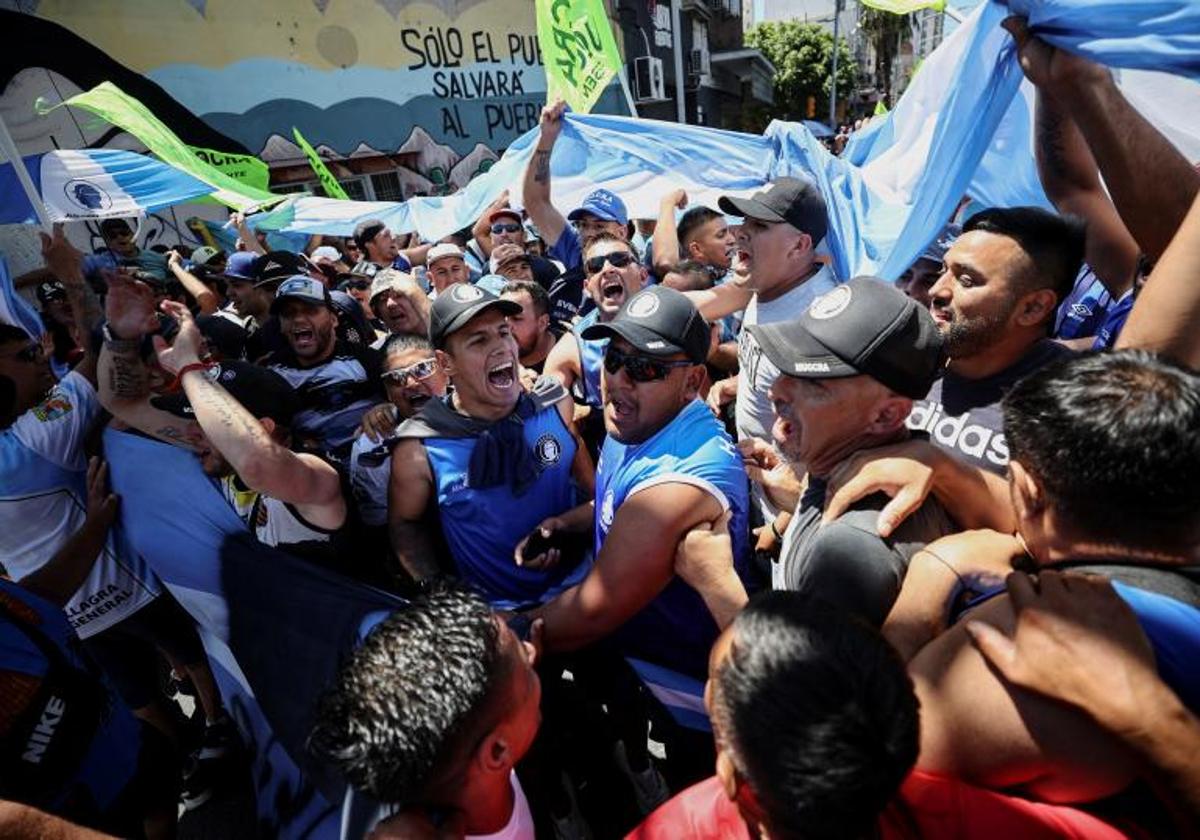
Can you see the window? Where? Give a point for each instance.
(355, 188)
(387, 187)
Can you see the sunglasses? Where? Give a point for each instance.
(617, 259)
(499, 227)
(360, 285)
(640, 368)
(418, 372)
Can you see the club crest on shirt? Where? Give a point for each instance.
(547, 450)
(606, 511)
(55, 407)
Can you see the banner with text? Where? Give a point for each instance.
(578, 50)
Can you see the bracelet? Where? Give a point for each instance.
(177, 382)
(775, 531)
(119, 345)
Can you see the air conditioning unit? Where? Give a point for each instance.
(648, 81)
(698, 63)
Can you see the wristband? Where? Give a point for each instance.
(775, 531)
(177, 382)
(119, 345)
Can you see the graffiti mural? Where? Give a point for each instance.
(426, 92)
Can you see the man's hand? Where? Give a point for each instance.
(101, 504)
(499, 203)
(129, 308)
(60, 256)
(1075, 641)
(904, 471)
(188, 345)
(722, 394)
(506, 252)
(378, 422)
(547, 559)
(1049, 67)
(772, 473)
(550, 124)
(174, 260)
(675, 198)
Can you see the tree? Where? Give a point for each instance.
(883, 30)
(802, 54)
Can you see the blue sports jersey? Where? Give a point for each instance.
(676, 629)
(1173, 628)
(102, 751)
(591, 360)
(1114, 322)
(1083, 311)
(483, 526)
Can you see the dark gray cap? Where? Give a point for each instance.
(457, 305)
(792, 200)
(864, 326)
(659, 322)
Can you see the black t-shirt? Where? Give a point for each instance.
(963, 415)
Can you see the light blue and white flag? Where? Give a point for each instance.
(14, 309)
(95, 184)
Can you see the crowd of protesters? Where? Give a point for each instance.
(790, 554)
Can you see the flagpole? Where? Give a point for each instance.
(9, 149)
(621, 74)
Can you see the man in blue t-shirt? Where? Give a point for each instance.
(490, 460)
(667, 467)
(120, 249)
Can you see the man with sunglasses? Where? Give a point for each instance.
(336, 382)
(491, 459)
(667, 467)
(411, 377)
(506, 226)
(613, 276)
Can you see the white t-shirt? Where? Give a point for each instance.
(519, 827)
(43, 502)
(754, 413)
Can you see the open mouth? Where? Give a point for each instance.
(622, 409)
(303, 337)
(417, 400)
(502, 376)
(613, 291)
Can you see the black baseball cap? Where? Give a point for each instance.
(457, 305)
(659, 322)
(301, 287)
(274, 266)
(262, 392)
(223, 335)
(864, 326)
(367, 230)
(792, 200)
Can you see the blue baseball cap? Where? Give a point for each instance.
(603, 205)
(240, 266)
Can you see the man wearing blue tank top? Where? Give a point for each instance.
(491, 459)
(667, 467)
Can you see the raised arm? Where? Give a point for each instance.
(563, 361)
(482, 229)
(206, 298)
(719, 301)
(665, 246)
(66, 263)
(261, 462)
(631, 569)
(536, 189)
(1151, 183)
(1072, 182)
(245, 235)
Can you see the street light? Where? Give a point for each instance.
(837, 13)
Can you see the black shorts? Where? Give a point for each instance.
(128, 651)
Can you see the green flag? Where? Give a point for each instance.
(332, 188)
(578, 50)
(880, 108)
(245, 169)
(903, 7)
(109, 102)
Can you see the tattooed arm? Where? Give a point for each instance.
(64, 262)
(249, 444)
(536, 189)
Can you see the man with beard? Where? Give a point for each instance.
(489, 458)
(335, 382)
(995, 304)
(531, 328)
(613, 275)
(411, 377)
(851, 367)
(236, 416)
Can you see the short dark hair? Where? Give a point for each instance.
(403, 342)
(541, 300)
(604, 236)
(691, 222)
(1054, 243)
(1112, 439)
(408, 700)
(819, 715)
(8, 401)
(11, 332)
(699, 277)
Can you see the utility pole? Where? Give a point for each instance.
(837, 14)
